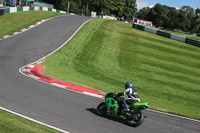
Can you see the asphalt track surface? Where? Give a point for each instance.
(61, 108)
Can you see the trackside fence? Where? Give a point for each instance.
(193, 42)
(167, 35)
(28, 8)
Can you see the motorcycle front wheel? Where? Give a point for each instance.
(102, 109)
(136, 118)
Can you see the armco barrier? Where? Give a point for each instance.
(168, 35)
(27, 8)
(45, 9)
(164, 34)
(19, 9)
(140, 27)
(150, 30)
(6, 10)
(53, 10)
(177, 38)
(192, 42)
(13, 9)
(50, 9)
(1, 12)
(31, 8)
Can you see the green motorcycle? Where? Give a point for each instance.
(110, 107)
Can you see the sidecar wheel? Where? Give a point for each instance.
(102, 109)
(136, 119)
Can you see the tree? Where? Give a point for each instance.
(126, 8)
(129, 9)
(197, 21)
(172, 16)
(143, 13)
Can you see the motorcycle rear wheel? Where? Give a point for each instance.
(136, 119)
(102, 109)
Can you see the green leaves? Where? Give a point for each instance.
(118, 8)
(185, 19)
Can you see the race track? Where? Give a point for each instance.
(61, 108)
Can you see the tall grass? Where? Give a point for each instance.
(105, 54)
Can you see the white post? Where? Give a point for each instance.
(1, 3)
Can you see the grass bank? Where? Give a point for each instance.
(12, 22)
(105, 54)
(12, 124)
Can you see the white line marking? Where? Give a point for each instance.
(31, 66)
(33, 120)
(173, 115)
(91, 94)
(25, 70)
(33, 77)
(58, 85)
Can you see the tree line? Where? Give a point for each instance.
(185, 19)
(119, 8)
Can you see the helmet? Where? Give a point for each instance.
(128, 85)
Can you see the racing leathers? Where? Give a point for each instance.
(132, 97)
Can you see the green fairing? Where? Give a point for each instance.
(140, 106)
(112, 107)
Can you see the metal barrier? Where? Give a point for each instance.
(28, 8)
(167, 35)
(164, 34)
(192, 42)
(1, 12)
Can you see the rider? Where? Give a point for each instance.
(132, 95)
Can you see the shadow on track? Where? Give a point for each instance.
(92, 110)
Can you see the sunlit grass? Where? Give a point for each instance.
(105, 54)
(12, 22)
(12, 124)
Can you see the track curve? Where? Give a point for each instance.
(64, 109)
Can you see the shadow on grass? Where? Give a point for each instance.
(92, 110)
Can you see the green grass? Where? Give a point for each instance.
(195, 38)
(12, 124)
(105, 54)
(12, 22)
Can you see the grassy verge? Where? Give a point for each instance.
(105, 54)
(12, 124)
(180, 33)
(195, 38)
(12, 22)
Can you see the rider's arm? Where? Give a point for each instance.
(120, 94)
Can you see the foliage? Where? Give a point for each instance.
(118, 8)
(186, 18)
